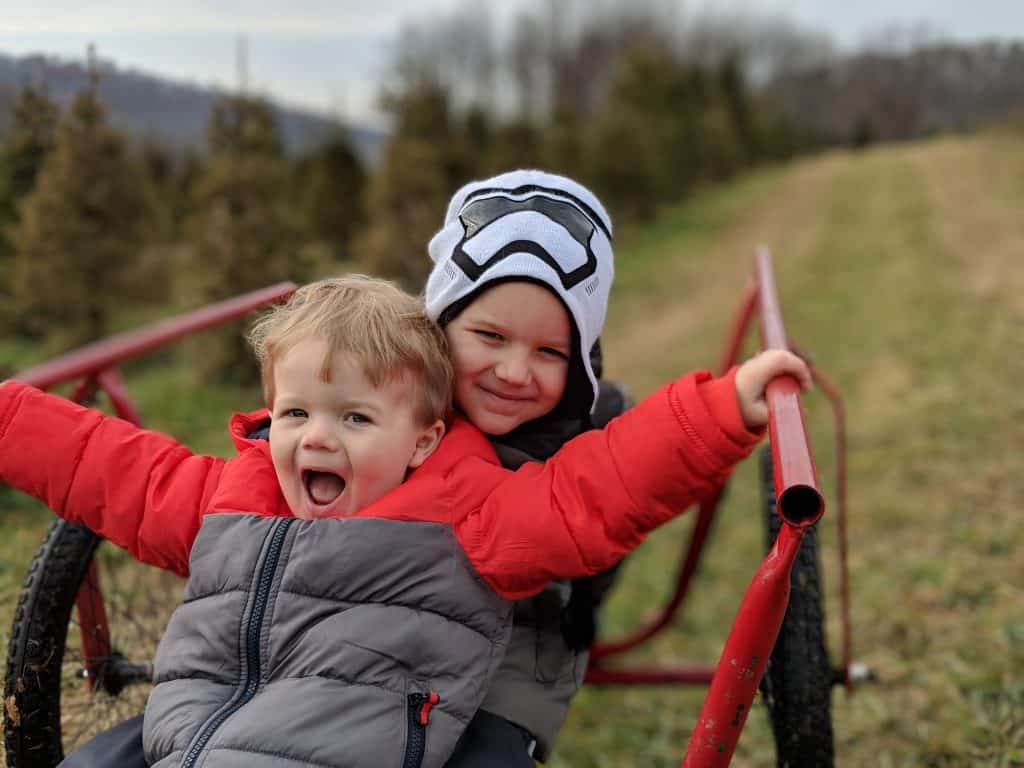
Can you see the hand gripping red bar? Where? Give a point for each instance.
(760, 616)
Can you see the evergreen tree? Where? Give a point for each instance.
(28, 142)
(331, 191)
(563, 145)
(238, 229)
(665, 126)
(739, 102)
(477, 133)
(515, 144)
(423, 163)
(157, 164)
(188, 168)
(640, 143)
(80, 228)
(405, 202)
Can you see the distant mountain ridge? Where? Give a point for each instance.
(171, 113)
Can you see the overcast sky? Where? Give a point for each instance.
(330, 55)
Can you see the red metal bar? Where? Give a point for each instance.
(110, 381)
(92, 623)
(705, 517)
(686, 674)
(760, 616)
(102, 355)
(84, 391)
(796, 478)
(826, 385)
(744, 657)
(739, 328)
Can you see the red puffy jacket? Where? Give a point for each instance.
(574, 515)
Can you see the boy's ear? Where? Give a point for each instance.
(426, 443)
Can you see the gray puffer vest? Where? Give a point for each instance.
(343, 643)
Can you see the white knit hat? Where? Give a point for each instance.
(530, 225)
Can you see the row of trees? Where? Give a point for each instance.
(85, 216)
(87, 220)
(630, 102)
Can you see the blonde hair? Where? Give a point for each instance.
(384, 329)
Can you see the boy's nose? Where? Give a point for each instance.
(514, 369)
(321, 436)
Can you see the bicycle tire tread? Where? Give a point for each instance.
(32, 731)
(797, 683)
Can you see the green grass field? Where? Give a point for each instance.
(900, 272)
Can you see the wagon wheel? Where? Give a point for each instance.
(50, 707)
(797, 684)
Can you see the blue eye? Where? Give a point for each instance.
(357, 418)
(296, 413)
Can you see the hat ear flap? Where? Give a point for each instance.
(578, 397)
(597, 359)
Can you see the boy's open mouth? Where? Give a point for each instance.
(322, 487)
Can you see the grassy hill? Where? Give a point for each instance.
(900, 273)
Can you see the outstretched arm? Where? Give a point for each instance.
(600, 495)
(142, 490)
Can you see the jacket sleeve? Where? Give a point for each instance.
(141, 490)
(599, 496)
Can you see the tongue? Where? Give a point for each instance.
(325, 487)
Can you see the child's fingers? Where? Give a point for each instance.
(780, 362)
(753, 377)
(802, 372)
(757, 413)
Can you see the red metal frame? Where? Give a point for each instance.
(800, 505)
(92, 623)
(95, 365)
(759, 293)
(694, 673)
(90, 361)
(826, 385)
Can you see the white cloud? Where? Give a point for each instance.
(301, 19)
(326, 53)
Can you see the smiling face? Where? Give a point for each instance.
(340, 444)
(510, 348)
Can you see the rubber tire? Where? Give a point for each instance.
(32, 685)
(49, 707)
(797, 684)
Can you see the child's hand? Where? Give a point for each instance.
(753, 376)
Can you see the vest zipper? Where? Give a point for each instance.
(254, 628)
(419, 715)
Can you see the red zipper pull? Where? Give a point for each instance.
(432, 699)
